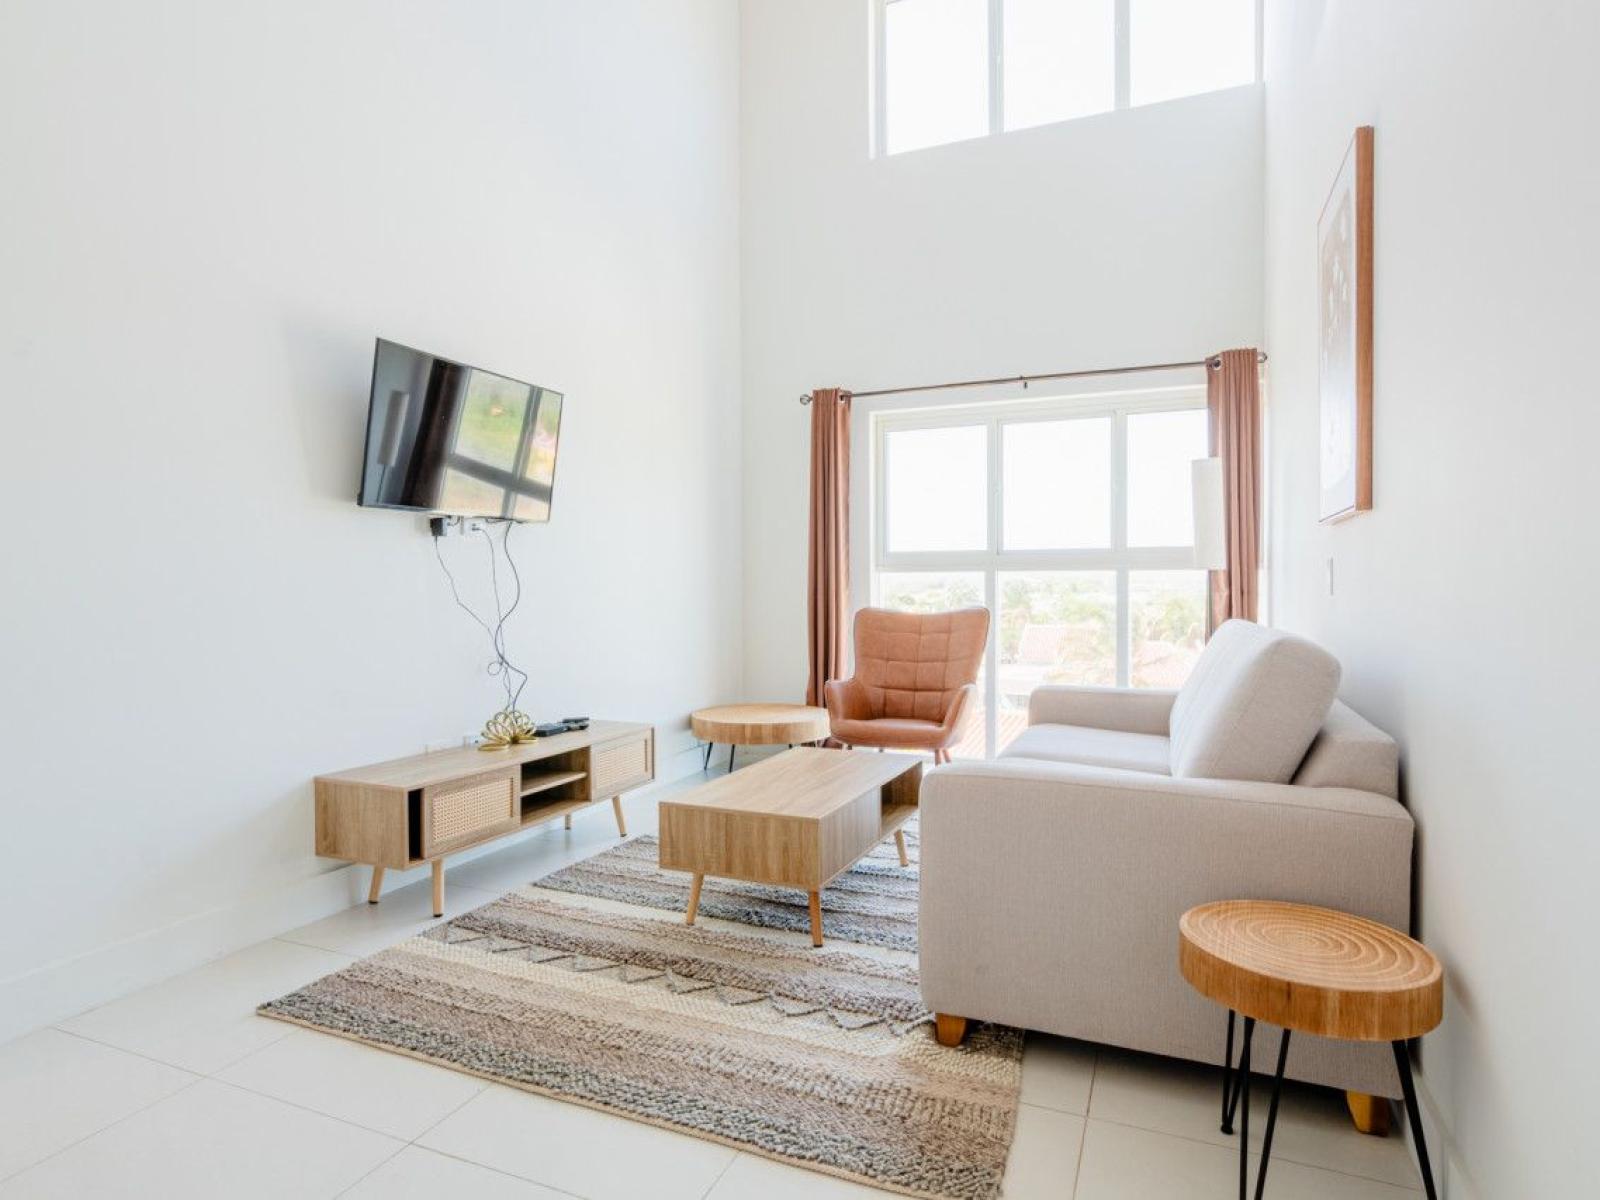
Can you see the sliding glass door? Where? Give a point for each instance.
(1069, 519)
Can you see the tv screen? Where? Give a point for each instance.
(443, 437)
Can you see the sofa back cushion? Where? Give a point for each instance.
(1351, 752)
(1252, 705)
(911, 663)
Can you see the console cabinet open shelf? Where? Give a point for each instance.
(409, 811)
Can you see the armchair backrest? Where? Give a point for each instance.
(909, 664)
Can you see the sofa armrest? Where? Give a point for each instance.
(1128, 710)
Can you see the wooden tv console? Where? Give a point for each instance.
(416, 810)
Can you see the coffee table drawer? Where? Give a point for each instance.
(778, 850)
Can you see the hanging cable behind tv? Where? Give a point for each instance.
(510, 725)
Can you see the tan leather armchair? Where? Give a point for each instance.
(915, 676)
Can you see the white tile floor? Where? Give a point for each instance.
(181, 1091)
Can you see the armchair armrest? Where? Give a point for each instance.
(955, 710)
(846, 700)
(1127, 710)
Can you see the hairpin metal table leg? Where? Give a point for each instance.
(1402, 1061)
(1272, 1113)
(1227, 1078)
(1243, 1089)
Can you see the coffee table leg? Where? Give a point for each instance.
(694, 899)
(1402, 1060)
(900, 845)
(816, 918)
(731, 748)
(705, 762)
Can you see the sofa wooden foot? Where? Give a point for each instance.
(1370, 1113)
(949, 1030)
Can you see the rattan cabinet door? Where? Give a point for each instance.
(465, 811)
(617, 766)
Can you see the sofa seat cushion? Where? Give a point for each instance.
(1093, 747)
(1252, 705)
(888, 731)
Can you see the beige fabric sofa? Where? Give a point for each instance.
(1053, 876)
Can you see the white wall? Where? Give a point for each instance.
(1128, 238)
(1462, 602)
(208, 212)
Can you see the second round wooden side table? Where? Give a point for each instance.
(735, 725)
(1317, 971)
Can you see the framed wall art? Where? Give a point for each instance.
(1344, 281)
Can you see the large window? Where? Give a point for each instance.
(1070, 519)
(954, 69)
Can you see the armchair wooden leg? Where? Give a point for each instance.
(949, 1030)
(1370, 1113)
(374, 891)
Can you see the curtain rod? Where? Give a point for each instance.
(1025, 380)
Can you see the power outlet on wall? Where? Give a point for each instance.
(464, 741)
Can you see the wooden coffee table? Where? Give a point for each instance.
(735, 725)
(796, 820)
(1315, 970)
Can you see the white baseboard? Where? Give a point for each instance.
(63, 988)
(1449, 1172)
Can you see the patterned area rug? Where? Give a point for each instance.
(821, 1058)
(874, 903)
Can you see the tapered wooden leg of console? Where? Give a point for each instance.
(438, 887)
(815, 899)
(694, 899)
(566, 821)
(949, 1030)
(622, 825)
(900, 845)
(376, 887)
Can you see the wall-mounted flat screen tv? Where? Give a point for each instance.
(443, 437)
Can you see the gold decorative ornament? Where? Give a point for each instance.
(505, 729)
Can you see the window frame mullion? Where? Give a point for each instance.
(1121, 27)
(997, 87)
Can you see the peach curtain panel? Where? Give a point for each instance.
(828, 569)
(1233, 397)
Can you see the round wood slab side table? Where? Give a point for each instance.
(1312, 970)
(735, 725)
